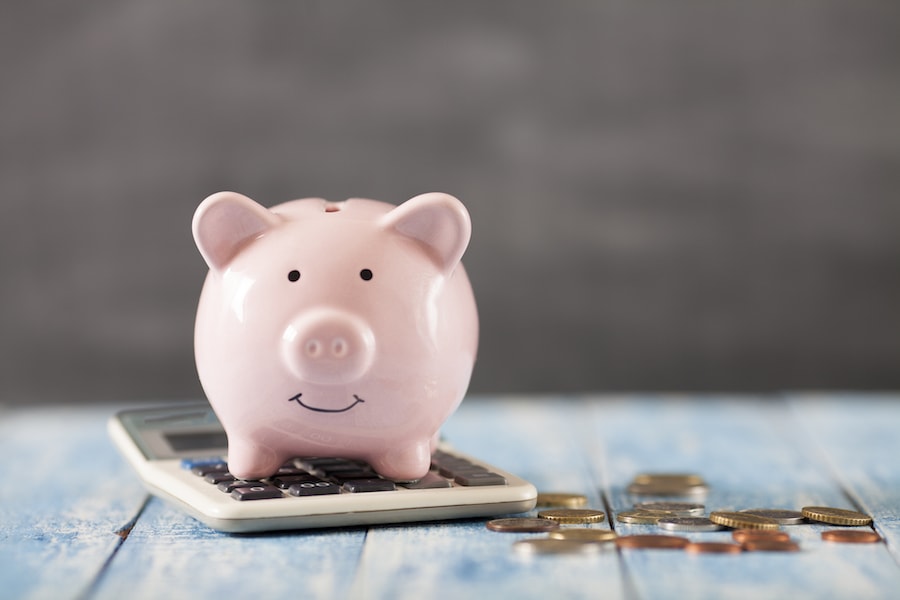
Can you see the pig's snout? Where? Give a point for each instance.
(329, 346)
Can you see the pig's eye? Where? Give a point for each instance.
(294, 275)
(366, 274)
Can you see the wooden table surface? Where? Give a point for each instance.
(76, 523)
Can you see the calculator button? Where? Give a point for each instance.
(430, 481)
(256, 492)
(229, 486)
(204, 470)
(480, 478)
(341, 477)
(286, 481)
(369, 485)
(314, 488)
(217, 477)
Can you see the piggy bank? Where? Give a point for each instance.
(343, 329)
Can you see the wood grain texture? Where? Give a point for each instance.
(774, 453)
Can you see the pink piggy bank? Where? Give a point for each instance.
(334, 329)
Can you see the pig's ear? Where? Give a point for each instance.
(439, 221)
(225, 222)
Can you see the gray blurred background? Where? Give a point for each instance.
(665, 195)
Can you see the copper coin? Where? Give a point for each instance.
(713, 548)
(851, 536)
(770, 546)
(522, 525)
(664, 542)
(752, 535)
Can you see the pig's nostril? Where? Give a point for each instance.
(339, 347)
(313, 348)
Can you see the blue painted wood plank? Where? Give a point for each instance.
(750, 454)
(857, 436)
(65, 495)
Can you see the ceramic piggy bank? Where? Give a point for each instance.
(342, 329)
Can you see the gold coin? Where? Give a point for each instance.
(836, 516)
(666, 489)
(561, 499)
(713, 548)
(851, 536)
(678, 479)
(665, 542)
(753, 535)
(770, 546)
(641, 517)
(522, 525)
(568, 516)
(554, 546)
(737, 520)
(583, 534)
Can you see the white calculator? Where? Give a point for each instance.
(180, 454)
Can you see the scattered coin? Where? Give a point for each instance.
(738, 520)
(783, 517)
(677, 509)
(554, 546)
(770, 546)
(836, 516)
(665, 542)
(713, 548)
(561, 499)
(683, 479)
(583, 534)
(640, 517)
(568, 516)
(688, 524)
(666, 489)
(522, 525)
(752, 535)
(851, 536)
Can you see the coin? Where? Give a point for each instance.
(554, 546)
(666, 489)
(851, 536)
(583, 534)
(640, 517)
(664, 542)
(782, 517)
(688, 524)
(770, 546)
(680, 479)
(752, 535)
(570, 516)
(713, 548)
(836, 516)
(561, 499)
(737, 520)
(522, 525)
(678, 509)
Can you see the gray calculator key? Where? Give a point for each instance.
(256, 492)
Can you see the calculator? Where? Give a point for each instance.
(180, 454)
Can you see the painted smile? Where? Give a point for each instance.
(356, 400)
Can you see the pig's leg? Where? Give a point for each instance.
(404, 463)
(251, 461)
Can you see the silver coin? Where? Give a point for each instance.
(676, 509)
(783, 517)
(553, 546)
(688, 524)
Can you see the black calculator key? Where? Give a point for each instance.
(206, 469)
(286, 481)
(314, 488)
(256, 492)
(429, 482)
(369, 485)
(217, 477)
(228, 486)
(480, 478)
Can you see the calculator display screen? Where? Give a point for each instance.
(187, 442)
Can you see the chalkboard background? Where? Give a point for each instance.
(665, 195)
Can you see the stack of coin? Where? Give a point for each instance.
(668, 484)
